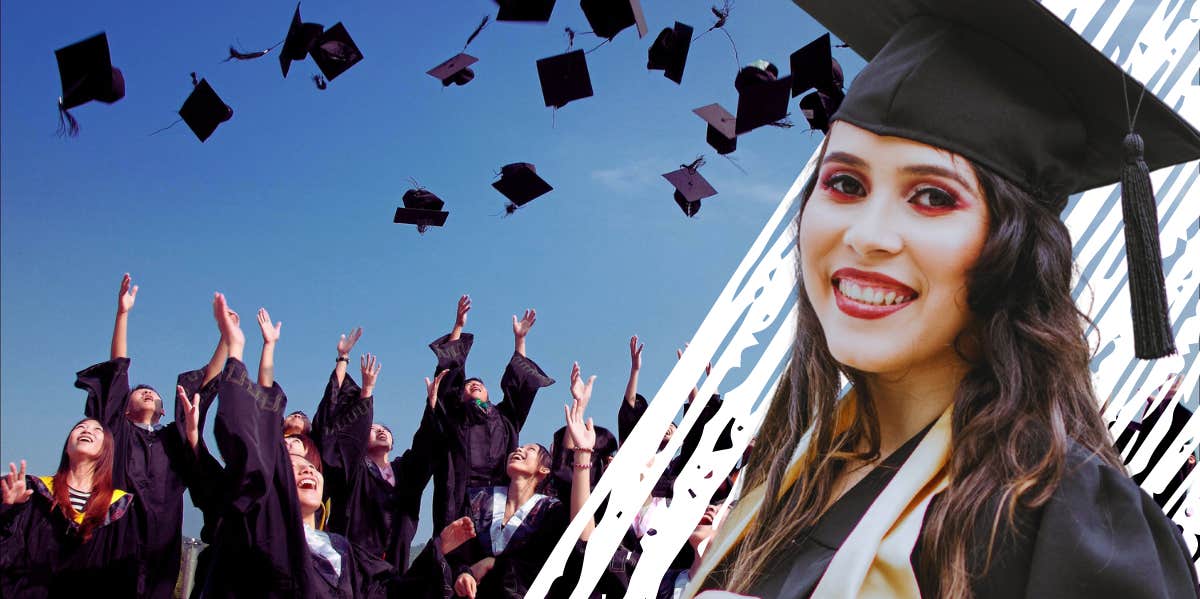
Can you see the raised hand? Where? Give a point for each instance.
(346, 343)
(231, 331)
(12, 486)
(431, 387)
(270, 332)
(583, 435)
(191, 410)
(582, 392)
(635, 353)
(456, 533)
(369, 365)
(127, 295)
(521, 327)
(464, 306)
(465, 586)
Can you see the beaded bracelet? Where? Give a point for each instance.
(582, 466)
(582, 450)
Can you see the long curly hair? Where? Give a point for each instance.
(1026, 397)
(100, 498)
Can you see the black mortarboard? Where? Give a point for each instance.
(1029, 99)
(690, 187)
(334, 52)
(670, 50)
(817, 106)
(610, 17)
(564, 78)
(421, 208)
(87, 73)
(762, 98)
(813, 68)
(525, 10)
(722, 132)
(203, 110)
(455, 71)
(300, 39)
(520, 183)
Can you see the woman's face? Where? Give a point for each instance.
(379, 438)
(886, 241)
(86, 441)
(309, 484)
(294, 445)
(526, 461)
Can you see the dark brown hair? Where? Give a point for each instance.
(311, 453)
(100, 498)
(1011, 426)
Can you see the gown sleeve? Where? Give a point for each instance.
(1101, 536)
(628, 416)
(340, 432)
(248, 434)
(107, 386)
(206, 475)
(452, 356)
(520, 383)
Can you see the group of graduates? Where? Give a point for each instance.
(319, 508)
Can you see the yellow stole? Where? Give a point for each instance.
(117, 494)
(873, 562)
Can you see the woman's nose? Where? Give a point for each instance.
(871, 229)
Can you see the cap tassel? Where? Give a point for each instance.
(1147, 287)
(67, 125)
(320, 82)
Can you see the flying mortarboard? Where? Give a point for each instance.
(87, 74)
(334, 52)
(610, 17)
(300, 39)
(525, 10)
(520, 183)
(564, 78)
(690, 186)
(455, 71)
(1032, 101)
(813, 67)
(421, 208)
(762, 98)
(670, 50)
(816, 108)
(203, 110)
(722, 132)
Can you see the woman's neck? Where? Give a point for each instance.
(520, 490)
(909, 401)
(80, 474)
(310, 519)
(380, 457)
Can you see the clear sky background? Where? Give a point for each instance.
(289, 204)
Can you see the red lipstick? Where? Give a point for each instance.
(870, 280)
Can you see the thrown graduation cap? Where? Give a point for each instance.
(670, 51)
(817, 107)
(813, 67)
(334, 52)
(421, 208)
(1032, 101)
(610, 17)
(87, 74)
(455, 71)
(300, 39)
(525, 10)
(204, 110)
(520, 183)
(762, 98)
(564, 78)
(722, 133)
(690, 186)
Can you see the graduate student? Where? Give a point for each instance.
(150, 461)
(477, 436)
(969, 458)
(73, 533)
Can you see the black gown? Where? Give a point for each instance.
(1099, 537)
(206, 484)
(41, 553)
(628, 417)
(471, 444)
(153, 465)
(378, 517)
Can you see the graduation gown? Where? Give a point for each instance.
(1099, 536)
(153, 465)
(43, 555)
(628, 417)
(206, 483)
(520, 560)
(471, 444)
(378, 517)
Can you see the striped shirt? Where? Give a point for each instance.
(79, 499)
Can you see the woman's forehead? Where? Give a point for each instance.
(847, 142)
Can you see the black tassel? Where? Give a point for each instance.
(475, 33)
(195, 81)
(1147, 286)
(320, 82)
(234, 54)
(67, 125)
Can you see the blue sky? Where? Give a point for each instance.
(289, 204)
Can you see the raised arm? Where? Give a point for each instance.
(345, 344)
(635, 366)
(521, 329)
(270, 333)
(522, 378)
(583, 435)
(217, 361)
(451, 351)
(125, 299)
(460, 319)
(343, 430)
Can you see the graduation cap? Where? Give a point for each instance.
(721, 134)
(564, 78)
(203, 110)
(670, 50)
(610, 17)
(690, 186)
(1032, 101)
(334, 52)
(300, 39)
(421, 208)
(87, 74)
(817, 107)
(762, 96)
(525, 10)
(813, 67)
(520, 183)
(455, 71)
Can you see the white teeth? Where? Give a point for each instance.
(890, 297)
(878, 297)
(869, 295)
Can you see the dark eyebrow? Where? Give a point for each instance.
(845, 158)
(929, 169)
